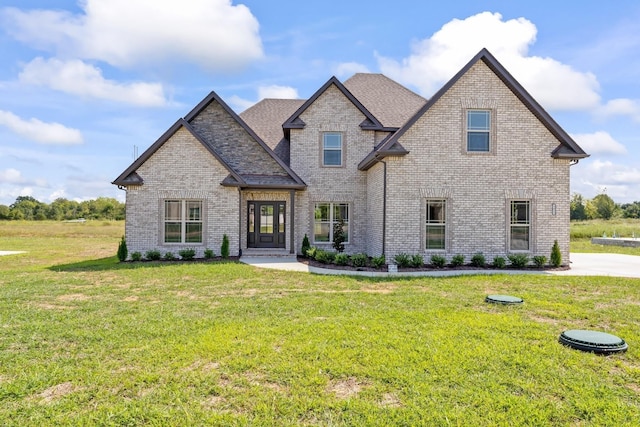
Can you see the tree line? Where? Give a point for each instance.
(601, 207)
(28, 208)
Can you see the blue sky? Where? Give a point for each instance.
(83, 84)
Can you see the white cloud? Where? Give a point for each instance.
(214, 34)
(621, 107)
(239, 104)
(435, 60)
(11, 176)
(57, 194)
(619, 181)
(278, 92)
(347, 69)
(599, 143)
(39, 131)
(78, 78)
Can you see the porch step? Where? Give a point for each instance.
(267, 252)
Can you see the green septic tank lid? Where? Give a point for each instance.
(594, 341)
(503, 299)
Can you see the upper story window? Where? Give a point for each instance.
(478, 130)
(183, 221)
(332, 153)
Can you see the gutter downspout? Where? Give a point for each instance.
(292, 210)
(384, 206)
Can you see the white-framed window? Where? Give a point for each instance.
(332, 153)
(326, 216)
(436, 224)
(478, 130)
(520, 225)
(182, 222)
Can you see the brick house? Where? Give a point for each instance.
(479, 167)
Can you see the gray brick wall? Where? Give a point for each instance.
(332, 112)
(181, 168)
(478, 187)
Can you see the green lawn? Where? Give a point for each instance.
(88, 341)
(583, 231)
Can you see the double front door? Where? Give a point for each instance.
(266, 225)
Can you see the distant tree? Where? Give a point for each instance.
(25, 207)
(629, 210)
(577, 208)
(5, 212)
(28, 208)
(604, 206)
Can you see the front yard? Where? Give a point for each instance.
(88, 341)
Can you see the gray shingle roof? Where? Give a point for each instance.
(267, 116)
(389, 101)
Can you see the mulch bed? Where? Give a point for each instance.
(384, 269)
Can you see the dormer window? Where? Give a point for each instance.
(332, 149)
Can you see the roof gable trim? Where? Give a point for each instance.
(124, 178)
(568, 147)
(370, 122)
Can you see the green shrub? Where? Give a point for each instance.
(359, 260)
(341, 259)
(208, 254)
(169, 256)
(305, 245)
(478, 260)
(136, 256)
(402, 259)
(417, 261)
(122, 250)
(311, 252)
(499, 262)
(518, 260)
(540, 260)
(556, 255)
(187, 254)
(338, 236)
(153, 255)
(224, 249)
(438, 261)
(457, 260)
(378, 261)
(325, 257)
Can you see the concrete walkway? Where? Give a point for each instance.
(11, 252)
(581, 265)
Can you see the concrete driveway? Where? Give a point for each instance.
(614, 265)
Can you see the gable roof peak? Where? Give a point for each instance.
(295, 122)
(568, 148)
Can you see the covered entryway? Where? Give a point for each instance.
(266, 224)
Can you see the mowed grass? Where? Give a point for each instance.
(85, 340)
(583, 231)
